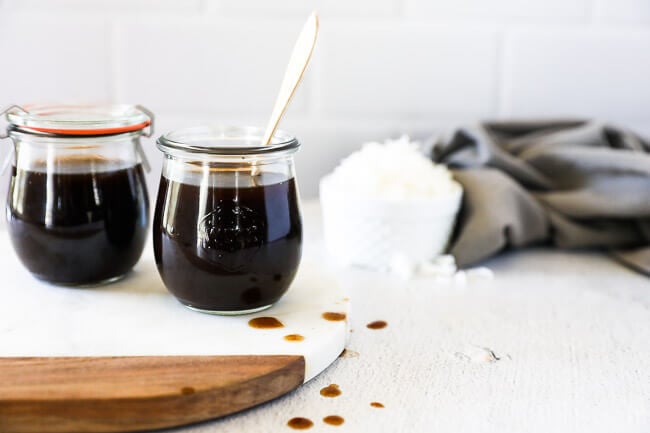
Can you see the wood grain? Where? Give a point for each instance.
(121, 394)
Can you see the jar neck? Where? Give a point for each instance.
(227, 172)
(235, 159)
(72, 153)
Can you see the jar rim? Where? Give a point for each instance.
(79, 119)
(34, 137)
(224, 140)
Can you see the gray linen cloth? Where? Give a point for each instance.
(573, 184)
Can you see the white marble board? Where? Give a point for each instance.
(137, 316)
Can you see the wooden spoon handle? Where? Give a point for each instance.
(295, 69)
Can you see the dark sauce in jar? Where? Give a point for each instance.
(83, 224)
(223, 248)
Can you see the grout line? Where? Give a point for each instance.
(504, 77)
(499, 67)
(113, 61)
(592, 12)
(399, 9)
(315, 71)
(204, 9)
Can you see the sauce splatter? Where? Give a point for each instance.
(377, 324)
(333, 420)
(347, 353)
(334, 317)
(300, 423)
(187, 390)
(294, 337)
(330, 391)
(265, 323)
(377, 405)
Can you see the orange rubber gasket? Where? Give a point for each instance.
(101, 131)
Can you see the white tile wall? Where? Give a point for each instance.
(104, 6)
(547, 10)
(579, 73)
(381, 66)
(408, 70)
(46, 60)
(355, 9)
(204, 65)
(622, 11)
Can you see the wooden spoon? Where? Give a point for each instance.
(293, 74)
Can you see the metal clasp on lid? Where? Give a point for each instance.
(152, 118)
(139, 149)
(4, 134)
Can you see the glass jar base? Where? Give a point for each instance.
(229, 312)
(88, 285)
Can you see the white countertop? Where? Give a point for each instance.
(571, 332)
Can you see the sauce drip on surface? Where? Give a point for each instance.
(300, 423)
(377, 324)
(333, 420)
(334, 317)
(265, 323)
(332, 390)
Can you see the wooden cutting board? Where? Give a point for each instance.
(115, 394)
(129, 357)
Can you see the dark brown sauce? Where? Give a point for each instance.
(221, 248)
(187, 390)
(300, 423)
(333, 420)
(80, 226)
(377, 405)
(294, 337)
(334, 317)
(331, 391)
(377, 324)
(265, 323)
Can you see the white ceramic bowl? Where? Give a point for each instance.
(368, 232)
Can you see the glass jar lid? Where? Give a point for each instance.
(80, 119)
(226, 141)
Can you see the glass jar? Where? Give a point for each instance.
(227, 225)
(77, 206)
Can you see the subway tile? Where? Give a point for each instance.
(152, 7)
(324, 142)
(288, 8)
(404, 70)
(325, 145)
(549, 10)
(622, 11)
(47, 60)
(578, 73)
(205, 65)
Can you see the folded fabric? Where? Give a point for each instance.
(572, 184)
